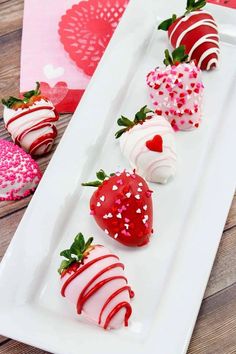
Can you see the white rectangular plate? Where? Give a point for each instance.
(170, 275)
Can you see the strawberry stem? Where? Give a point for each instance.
(176, 57)
(76, 253)
(192, 5)
(140, 117)
(26, 97)
(101, 176)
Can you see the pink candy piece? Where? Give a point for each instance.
(19, 173)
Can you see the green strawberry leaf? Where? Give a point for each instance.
(140, 116)
(164, 26)
(75, 253)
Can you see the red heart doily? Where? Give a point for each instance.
(86, 29)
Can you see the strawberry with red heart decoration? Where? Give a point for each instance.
(148, 142)
(176, 90)
(31, 121)
(122, 207)
(93, 279)
(197, 31)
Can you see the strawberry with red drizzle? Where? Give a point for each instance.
(176, 90)
(122, 207)
(93, 279)
(197, 31)
(30, 120)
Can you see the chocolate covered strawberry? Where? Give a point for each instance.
(122, 207)
(197, 31)
(93, 279)
(176, 90)
(31, 121)
(148, 142)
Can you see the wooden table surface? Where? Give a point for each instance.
(215, 331)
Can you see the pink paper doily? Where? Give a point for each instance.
(86, 29)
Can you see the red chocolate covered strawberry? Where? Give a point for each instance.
(122, 207)
(197, 31)
(31, 121)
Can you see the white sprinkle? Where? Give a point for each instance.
(128, 195)
(138, 211)
(126, 226)
(105, 216)
(146, 217)
(102, 198)
(145, 207)
(109, 215)
(116, 235)
(106, 231)
(119, 216)
(140, 184)
(114, 188)
(98, 204)
(139, 189)
(137, 196)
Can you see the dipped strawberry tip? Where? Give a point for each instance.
(101, 177)
(16, 102)
(76, 253)
(176, 57)
(139, 118)
(192, 5)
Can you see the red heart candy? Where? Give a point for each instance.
(156, 144)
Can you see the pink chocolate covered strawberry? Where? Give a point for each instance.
(197, 31)
(93, 279)
(31, 121)
(122, 207)
(176, 90)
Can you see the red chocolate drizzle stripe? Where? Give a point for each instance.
(103, 271)
(30, 111)
(81, 270)
(117, 292)
(41, 140)
(98, 286)
(116, 310)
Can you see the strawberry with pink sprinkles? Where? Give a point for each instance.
(176, 91)
(19, 173)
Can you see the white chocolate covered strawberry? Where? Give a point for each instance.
(93, 280)
(176, 91)
(31, 121)
(148, 142)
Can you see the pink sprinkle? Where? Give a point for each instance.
(118, 201)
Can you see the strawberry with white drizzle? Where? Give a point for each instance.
(31, 121)
(176, 90)
(122, 207)
(197, 31)
(148, 142)
(19, 173)
(93, 279)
